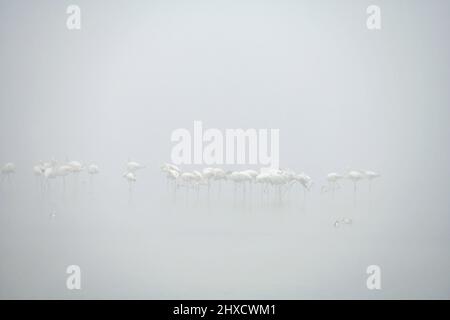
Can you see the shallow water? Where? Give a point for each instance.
(157, 249)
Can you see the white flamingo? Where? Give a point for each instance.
(208, 175)
(371, 175)
(172, 174)
(75, 166)
(263, 178)
(306, 183)
(189, 180)
(271, 178)
(199, 181)
(238, 178)
(63, 171)
(253, 174)
(133, 166)
(167, 166)
(131, 179)
(333, 179)
(92, 169)
(7, 171)
(345, 221)
(278, 179)
(38, 171)
(355, 176)
(130, 175)
(219, 176)
(50, 172)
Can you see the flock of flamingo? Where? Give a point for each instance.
(276, 182)
(279, 180)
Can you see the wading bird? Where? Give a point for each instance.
(75, 166)
(92, 170)
(355, 176)
(371, 175)
(172, 174)
(239, 178)
(133, 166)
(7, 171)
(333, 179)
(190, 180)
(38, 171)
(63, 171)
(131, 179)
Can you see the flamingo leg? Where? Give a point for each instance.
(187, 194)
(244, 187)
(130, 192)
(234, 194)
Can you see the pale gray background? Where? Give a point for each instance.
(340, 94)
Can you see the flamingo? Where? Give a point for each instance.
(355, 176)
(167, 166)
(263, 178)
(274, 178)
(75, 166)
(219, 176)
(371, 175)
(130, 174)
(346, 221)
(50, 172)
(7, 170)
(133, 166)
(199, 181)
(253, 174)
(63, 171)
(188, 179)
(306, 182)
(131, 178)
(172, 173)
(239, 177)
(92, 170)
(208, 174)
(38, 171)
(277, 178)
(333, 179)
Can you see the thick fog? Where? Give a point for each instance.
(341, 95)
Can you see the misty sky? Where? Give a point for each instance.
(340, 94)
